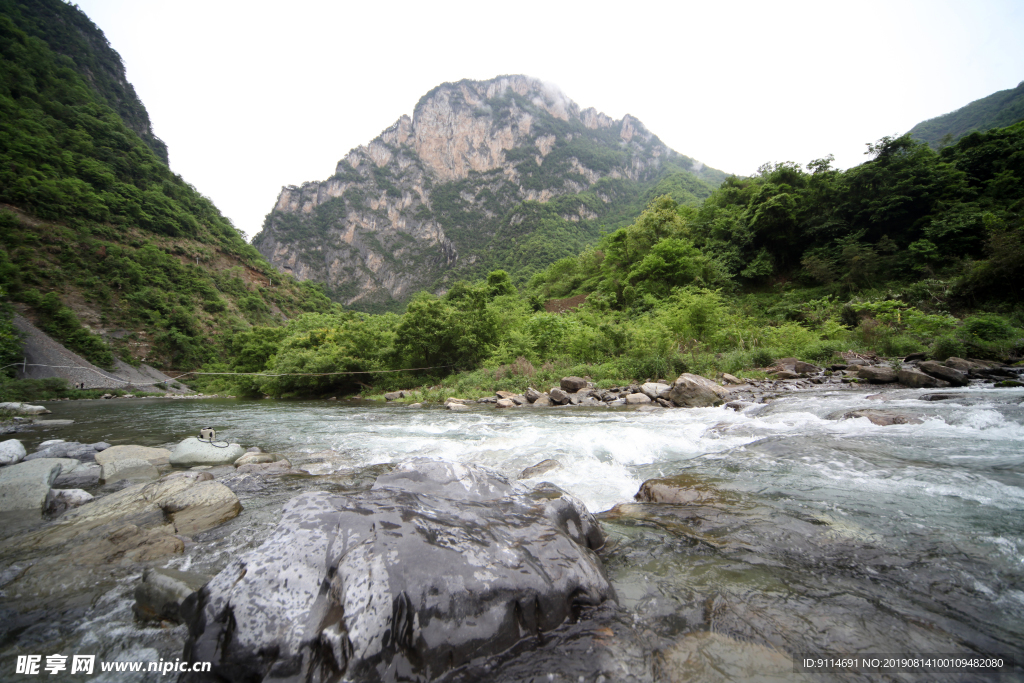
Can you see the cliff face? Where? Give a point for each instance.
(501, 173)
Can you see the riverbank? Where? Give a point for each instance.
(786, 524)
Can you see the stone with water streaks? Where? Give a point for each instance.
(436, 566)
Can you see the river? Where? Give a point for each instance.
(829, 535)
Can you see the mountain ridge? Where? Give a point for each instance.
(998, 110)
(445, 193)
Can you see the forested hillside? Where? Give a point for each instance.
(913, 251)
(998, 110)
(99, 230)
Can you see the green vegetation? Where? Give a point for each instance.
(912, 251)
(102, 231)
(30, 390)
(998, 110)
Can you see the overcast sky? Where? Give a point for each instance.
(251, 96)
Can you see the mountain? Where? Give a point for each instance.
(998, 110)
(507, 173)
(101, 244)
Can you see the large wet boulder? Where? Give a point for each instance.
(947, 374)
(877, 374)
(133, 469)
(68, 449)
(87, 474)
(11, 451)
(694, 391)
(25, 485)
(558, 396)
(192, 452)
(919, 380)
(438, 565)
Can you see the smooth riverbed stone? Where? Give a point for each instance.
(11, 451)
(192, 452)
(25, 485)
(154, 456)
(128, 468)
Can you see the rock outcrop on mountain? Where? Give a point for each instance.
(502, 173)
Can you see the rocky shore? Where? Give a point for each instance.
(421, 571)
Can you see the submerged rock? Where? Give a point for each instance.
(438, 565)
(883, 418)
(543, 467)
(681, 489)
(159, 595)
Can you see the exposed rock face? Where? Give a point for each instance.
(437, 565)
(694, 391)
(440, 193)
(948, 374)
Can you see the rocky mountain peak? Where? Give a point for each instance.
(422, 202)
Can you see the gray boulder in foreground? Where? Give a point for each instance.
(24, 486)
(437, 565)
(24, 409)
(192, 452)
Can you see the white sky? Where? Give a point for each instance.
(251, 96)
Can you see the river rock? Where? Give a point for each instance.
(883, 418)
(192, 452)
(653, 389)
(128, 468)
(638, 400)
(179, 503)
(951, 375)
(439, 564)
(254, 459)
(681, 489)
(543, 467)
(11, 451)
(159, 594)
(154, 456)
(785, 374)
(25, 485)
(531, 394)
(504, 394)
(805, 368)
(394, 395)
(877, 374)
(919, 380)
(60, 500)
(87, 474)
(694, 391)
(558, 396)
(506, 403)
(24, 409)
(731, 379)
(571, 385)
(542, 400)
(962, 364)
(457, 407)
(66, 449)
(716, 658)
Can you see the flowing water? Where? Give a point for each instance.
(823, 535)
